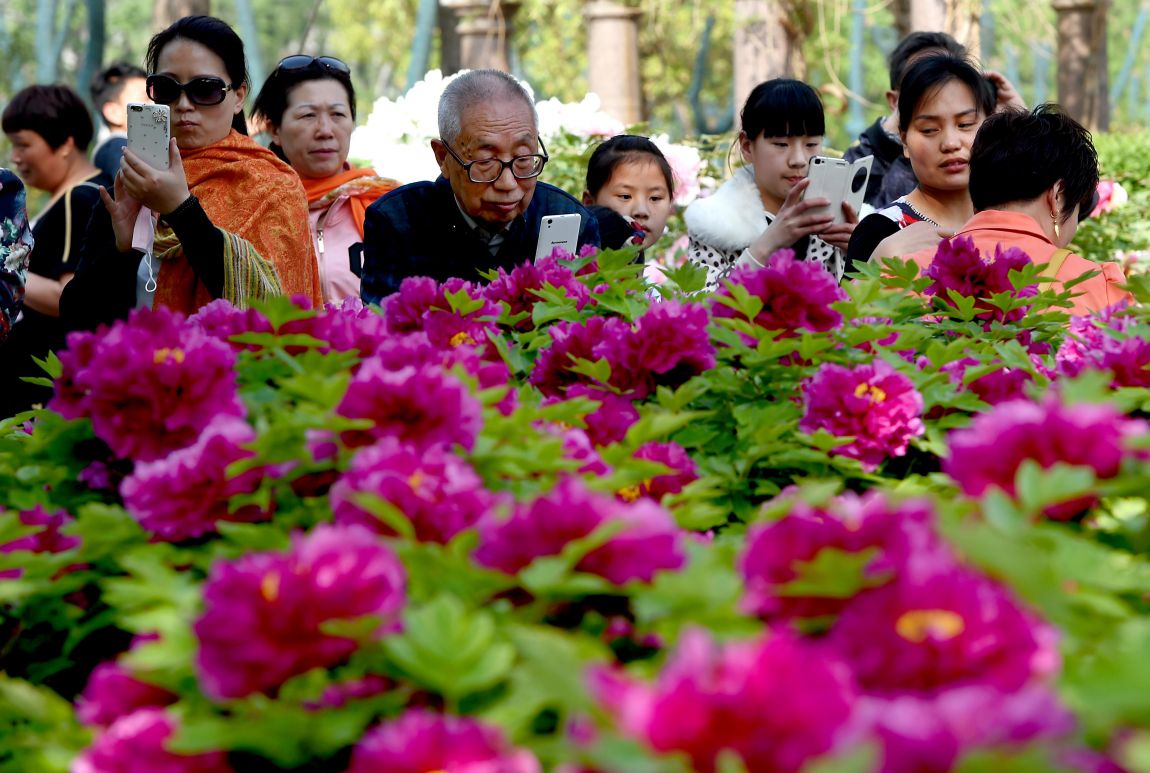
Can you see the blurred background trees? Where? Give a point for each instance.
(690, 75)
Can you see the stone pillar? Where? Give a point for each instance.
(613, 59)
(448, 38)
(483, 31)
(1082, 78)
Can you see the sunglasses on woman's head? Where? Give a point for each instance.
(205, 91)
(301, 61)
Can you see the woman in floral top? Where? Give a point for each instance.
(15, 247)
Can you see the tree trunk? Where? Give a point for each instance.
(46, 41)
(769, 36)
(1082, 61)
(94, 55)
(246, 21)
(958, 18)
(164, 12)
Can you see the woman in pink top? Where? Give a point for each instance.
(1031, 176)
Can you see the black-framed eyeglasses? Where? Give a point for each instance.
(488, 170)
(302, 61)
(205, 91)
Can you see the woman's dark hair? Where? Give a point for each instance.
(929, 74)
(624, 149)
(55, 112)
(214, 35)
(783, 108)
(914, 44)
(1018, 155)
(272, 101)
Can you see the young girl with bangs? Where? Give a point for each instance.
(761, 208)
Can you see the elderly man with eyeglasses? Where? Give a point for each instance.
(484, 212)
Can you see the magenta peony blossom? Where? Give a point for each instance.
(958, 266)
(609, 422)
(952, 629)
(586, 340)
(348, 327)
(669, 345)
(577, 447)
(420, 741)
(928, 734)
(137, 742)
(518, 289)
(422, 406)
(264, 613)
(47, 539)
(439, 493)
(990, 451)
(903, 536)
(675, 457)
(998, 386)
(112, 693)
(342, 693)
(221, 320)
(648, 539)
(186, 493)
(150, 385)
(796, 295)
(1107, 340)
(874, 403)
(422, 305)
(777, 702)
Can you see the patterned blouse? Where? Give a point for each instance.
(15, 249)
(720, 263)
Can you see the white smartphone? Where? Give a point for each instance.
(149, 130)
(558, 231)
(838, 180)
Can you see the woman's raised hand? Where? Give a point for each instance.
(160, 190)
(124, 209)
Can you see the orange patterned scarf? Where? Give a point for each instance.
(249, 193)
(361, 186)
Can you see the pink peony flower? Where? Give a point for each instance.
(421, 741)
(796, 295)
(150, 385)
(609, 422)
(577, 447)
(137, 742)
(47, 539)
(874, 403)
(264, 613)
(648, 539)
(952, 629)
(187, 493)
(518, 289)
(776, 702)
(1111, 196)
(422, 305)
(998, 386)
(439, 493)
(553, 375)
(902, 535)
(221, 320)
(675, 457)
(422, 406)
(669, 346)
(1107, 341)
(405, 309)
(112, 692)
(990, 451)
(686, 165)
(348, 327)
(958, 266)
(342, 693)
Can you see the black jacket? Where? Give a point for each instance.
(418, 230)
(891, 176)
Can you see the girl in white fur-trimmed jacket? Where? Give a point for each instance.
(760, 209)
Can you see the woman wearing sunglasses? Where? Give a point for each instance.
(231, 216)
(308, 107)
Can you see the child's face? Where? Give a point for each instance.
(779, 163)
(638, 190)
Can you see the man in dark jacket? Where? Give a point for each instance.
(484, 211)
(890, 174)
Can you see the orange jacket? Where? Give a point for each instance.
(993, 227)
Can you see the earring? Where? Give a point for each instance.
(1057, 228)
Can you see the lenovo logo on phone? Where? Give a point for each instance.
(558, 231)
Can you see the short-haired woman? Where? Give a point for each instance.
(1031, 176)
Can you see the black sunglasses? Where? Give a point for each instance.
(205, 91)
(302, 61)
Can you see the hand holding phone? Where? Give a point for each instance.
(149, 131)
(838, 181)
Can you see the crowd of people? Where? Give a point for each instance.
(958, 153)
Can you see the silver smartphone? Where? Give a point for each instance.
(149, 131)
(838, 180)
(558, 231)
